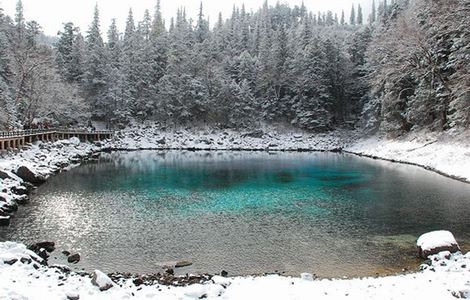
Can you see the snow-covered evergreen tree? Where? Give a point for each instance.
(94, 77)
(352, 17)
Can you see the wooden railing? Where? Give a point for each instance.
(30, 132)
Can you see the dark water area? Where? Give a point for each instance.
(243, 212)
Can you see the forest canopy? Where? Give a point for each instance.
(402, 68)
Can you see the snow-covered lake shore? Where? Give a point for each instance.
(447, 154)
(445, 279)
(445, 276)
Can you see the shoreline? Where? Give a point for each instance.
(444, 276)
(337, 151)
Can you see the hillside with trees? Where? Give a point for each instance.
(403, 68)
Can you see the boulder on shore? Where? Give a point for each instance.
(27, 175)
(101, 280)
(436, 241)
(4, 175)
(19, 190)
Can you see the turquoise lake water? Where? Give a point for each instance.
(243, 212)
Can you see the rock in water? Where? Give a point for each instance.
(74, 258)
(183, 263)
(4, 220)
(29, 176)
(101, 280)
(48, 246)
(436, 241)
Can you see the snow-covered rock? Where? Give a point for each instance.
(101, 280)
(436, 241)
(72, 295)
(28, 175)
(74, 141)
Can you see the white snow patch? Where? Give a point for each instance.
(436, 239)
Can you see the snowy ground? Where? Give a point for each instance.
(152, 137)
(447, 277)
(448, 153)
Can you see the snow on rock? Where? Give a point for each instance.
(12, 250)
(446, 277)
(436, 241)
(74, 141)
(29, 176)
(101, 280)
(72, 295)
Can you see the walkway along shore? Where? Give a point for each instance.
(18, 139)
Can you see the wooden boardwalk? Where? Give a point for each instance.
(17, 139)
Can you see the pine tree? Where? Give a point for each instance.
(202, 27)
(352, 18)
(329, 18)
(373, 14)
(158, 26)
(95, 67)
(64, 57)
(359, 15)
(19, 16)
(7, 114)
(78, 59)
(145, 27)
(129, 31)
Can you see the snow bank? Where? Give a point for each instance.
(446, 153)
(445, 277)
(153, 137)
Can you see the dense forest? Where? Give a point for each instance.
(404, 67)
